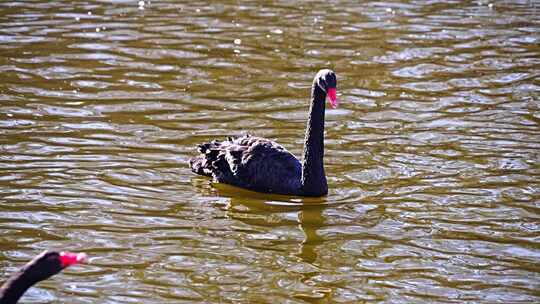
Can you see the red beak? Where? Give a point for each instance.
(69, 258)
(333, 98)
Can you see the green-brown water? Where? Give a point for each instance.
(432, 158)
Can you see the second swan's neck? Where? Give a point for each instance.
(313, 176)
(14, 288)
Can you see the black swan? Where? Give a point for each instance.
(43, 266)
(262, 165)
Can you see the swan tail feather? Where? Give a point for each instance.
(212, 160)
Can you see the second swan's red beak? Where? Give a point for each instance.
(69, 258)
(333, 98)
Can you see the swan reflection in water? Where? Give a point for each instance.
(257, 209)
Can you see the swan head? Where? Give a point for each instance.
(326, 80)
(49, 263)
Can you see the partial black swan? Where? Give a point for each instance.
(262, 165)
(43, 266)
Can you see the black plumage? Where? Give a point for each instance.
(262, 165)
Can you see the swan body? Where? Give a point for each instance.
(245, 162)
(263, 165)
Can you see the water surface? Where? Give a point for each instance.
(432, 157)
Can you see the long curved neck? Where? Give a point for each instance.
(313, 176)
(14, 288)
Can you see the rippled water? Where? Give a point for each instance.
(432, 158)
